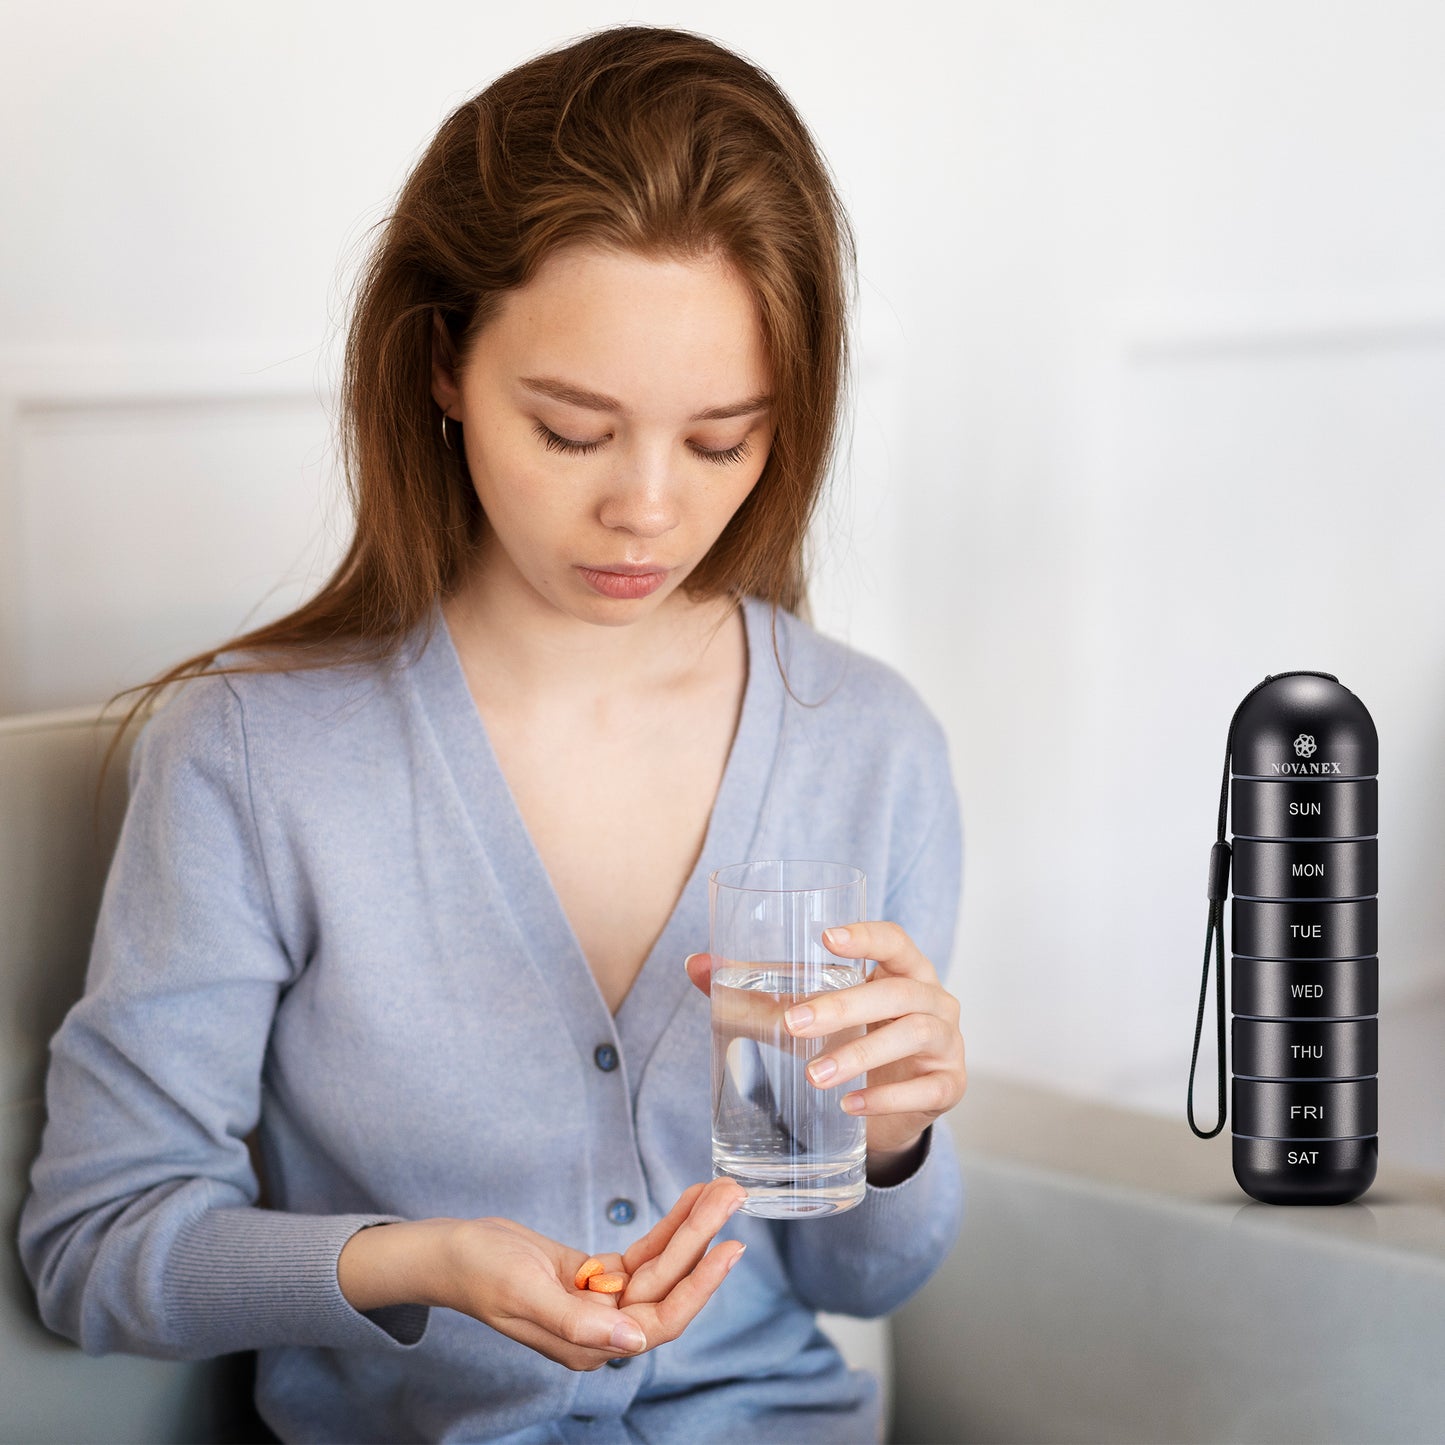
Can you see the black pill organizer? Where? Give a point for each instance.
(1300, 779)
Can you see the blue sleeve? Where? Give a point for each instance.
(140, 1231)
(870, 1259)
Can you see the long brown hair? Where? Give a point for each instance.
(652, 140)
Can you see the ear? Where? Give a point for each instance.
(444, 388)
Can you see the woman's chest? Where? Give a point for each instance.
(619, 815)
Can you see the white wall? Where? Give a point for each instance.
(1153, 332)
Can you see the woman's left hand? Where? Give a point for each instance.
(912, 1051)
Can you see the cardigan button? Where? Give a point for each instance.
(605, 1057)
(619, 1362)
(622, 1211)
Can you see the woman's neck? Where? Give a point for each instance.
(524, 649)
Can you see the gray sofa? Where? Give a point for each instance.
(52, 868)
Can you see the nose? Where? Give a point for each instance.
(641, 496)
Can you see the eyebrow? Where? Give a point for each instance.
(560, 390)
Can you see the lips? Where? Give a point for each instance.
(628, 569)
(625, 585)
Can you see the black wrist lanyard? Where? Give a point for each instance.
(1219, 860)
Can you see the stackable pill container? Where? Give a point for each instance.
(1305, 970)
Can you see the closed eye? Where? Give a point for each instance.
(555, 443)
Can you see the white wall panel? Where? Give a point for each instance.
(1276, 506)
(141, 529)
(1126, 269)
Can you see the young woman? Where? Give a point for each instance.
(411, 886)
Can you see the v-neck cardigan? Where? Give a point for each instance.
(326, 920)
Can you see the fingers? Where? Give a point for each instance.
(710, 1209)
(655, 1240)
(672, 1276)
(580, 1332)
(699, 970)
(928, 1095)
(918, 1037)
(886, 942)
(749, 1013)
(866, 1003)
(524, 1285)
(672, 1314)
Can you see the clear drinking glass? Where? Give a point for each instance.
(784, 1139)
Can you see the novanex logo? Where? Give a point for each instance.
(1304, 746)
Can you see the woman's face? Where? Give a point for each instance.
(615, 410)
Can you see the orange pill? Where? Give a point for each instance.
(589, 1268)
(607, 1283)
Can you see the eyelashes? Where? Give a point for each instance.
(555, 443)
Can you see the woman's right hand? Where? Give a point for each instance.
(523, 1284)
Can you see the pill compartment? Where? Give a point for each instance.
(1325, 869)
(1305, 929)
(1306, 1171)
(1283, 988)
(1304, 808)
(1305, 1108)
(1304, 1048)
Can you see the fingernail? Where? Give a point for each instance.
(852, 1103)
(798, 1017)
(835, 935)
(626, 1336)
(736, 1205)
(734, 1260)
(821, 1070)
(688, 959)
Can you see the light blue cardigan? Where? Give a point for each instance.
(325, 914)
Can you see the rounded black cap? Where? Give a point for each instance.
(1305, 726)
(1305, 1171)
